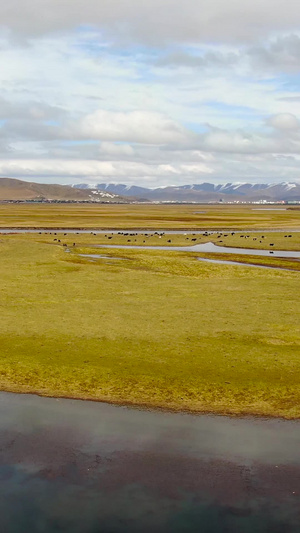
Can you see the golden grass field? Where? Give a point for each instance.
(205, 216)
(155, 328)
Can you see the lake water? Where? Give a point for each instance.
(84, 467)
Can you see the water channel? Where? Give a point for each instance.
(108, 258)
(87, 467)
(207, 247)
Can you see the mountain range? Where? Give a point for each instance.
(205, 192)
(17, 190)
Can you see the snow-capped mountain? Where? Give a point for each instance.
(205, 192)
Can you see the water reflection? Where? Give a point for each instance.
(85, 467)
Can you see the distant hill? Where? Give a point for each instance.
(18, 190)
(207, 192)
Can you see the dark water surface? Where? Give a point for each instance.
(85, 467)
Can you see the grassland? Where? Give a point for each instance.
(157, 328)
(272, 241)
(147, 216)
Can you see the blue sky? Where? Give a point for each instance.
(150, 93)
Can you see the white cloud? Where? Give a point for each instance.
(136, 126)
(221, 168)
(284, 122)
(155, 21)
(212, 98)
(111, 149)
(242, 142)
(280, 54)
(90, 170)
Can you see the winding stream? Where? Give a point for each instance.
(208, 247)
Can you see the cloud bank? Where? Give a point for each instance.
(154, 92)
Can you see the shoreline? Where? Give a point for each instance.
(155, 407)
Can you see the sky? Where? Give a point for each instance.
(167, 92)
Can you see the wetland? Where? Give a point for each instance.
(166, 345)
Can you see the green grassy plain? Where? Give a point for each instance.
(88, 243)
(173, 216)
(158, 329)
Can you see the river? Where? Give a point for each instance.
(87, 467)
(207, 247)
